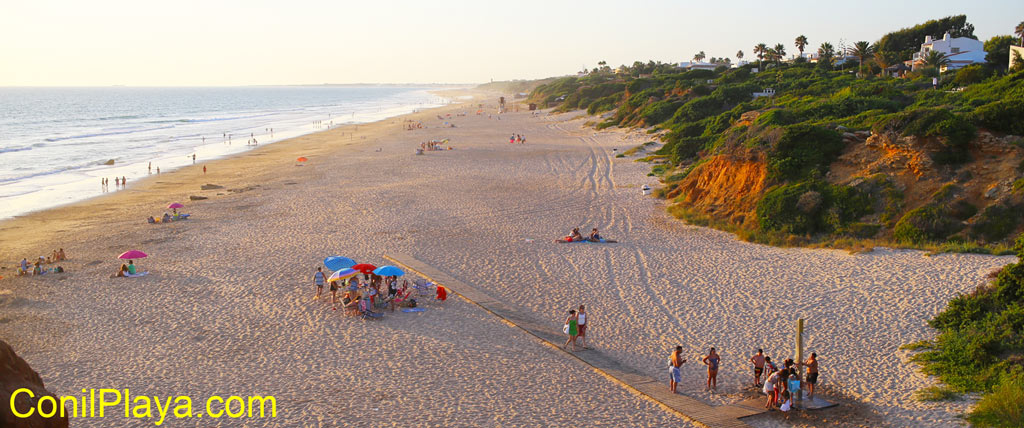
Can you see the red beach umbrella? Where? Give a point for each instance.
(364, 268)
(302, 159)
(132, 254)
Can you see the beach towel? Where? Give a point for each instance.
(136, 275)
(414, 310)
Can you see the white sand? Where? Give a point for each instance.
(227, 309)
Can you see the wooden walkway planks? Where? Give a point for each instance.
(686, 407)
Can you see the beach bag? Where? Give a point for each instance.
(565, 329)
(412, 303)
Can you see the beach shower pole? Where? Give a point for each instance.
(800, 355)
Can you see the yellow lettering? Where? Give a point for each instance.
(147, 406)
(187, 405)
(53, 406)
(14, 396)
(241, 405)
(162, 409)
(103, 399)
(209, 410)
(126, 401)
(74, 405)
(262, 400)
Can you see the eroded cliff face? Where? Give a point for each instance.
(15, 373)
(727, 186)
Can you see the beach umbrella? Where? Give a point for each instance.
(338, 262)
(132, 254)
(175, 205)
(364, 267)
(388, 271)
(342, 274)
(302, 159)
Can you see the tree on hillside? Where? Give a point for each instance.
(997, 52)
(936, 59)
(739, 55)
(1020, 32)
(760, 50)
(861, 50)
(825, 54)
(779, 52)
(884, 60)
(801, 43)
(699, 56)
(906, 41)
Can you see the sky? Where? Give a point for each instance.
(256, 42)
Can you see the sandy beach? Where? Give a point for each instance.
(227, 307)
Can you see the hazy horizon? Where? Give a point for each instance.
(259, 43)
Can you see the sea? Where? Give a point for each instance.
(57, 144)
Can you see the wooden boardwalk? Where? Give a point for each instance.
(657, 391)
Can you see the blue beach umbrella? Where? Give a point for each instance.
(338, 262)
(388, 271)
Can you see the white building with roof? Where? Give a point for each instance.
(961, 52)
(688, 65)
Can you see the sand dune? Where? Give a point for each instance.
(227, 307)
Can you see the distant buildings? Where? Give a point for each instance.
(961, 52)
(689, 65)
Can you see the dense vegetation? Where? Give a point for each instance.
(980, 347)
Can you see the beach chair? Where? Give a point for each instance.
(366, 313)
(351, 308)
(422, 287)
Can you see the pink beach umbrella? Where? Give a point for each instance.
(132, 254)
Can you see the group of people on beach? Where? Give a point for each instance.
(369, 294)
(516, 138)
(126, 270)
(776, 386)
(118, 182)
(36, 268)
(576, 236)
(576, 328)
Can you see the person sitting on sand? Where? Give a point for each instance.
(121, 272)
(150, 220)
(575, 235)
(60, 255)
(594, 236)
(166, 218)
(24, 266)
(37, 269)
(55, 257)
(131, 267)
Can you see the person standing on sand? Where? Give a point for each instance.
(812, 374)
(758, 360)
(193, 158)
(157, 170)
(712, 360)
(674, 361)
(571, 328)
(150, 167)
(581, 324)
(318, 281)
(204, 169)
(124, 181)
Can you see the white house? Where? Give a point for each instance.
(1019, 50)
(688, 65)
(961, 52)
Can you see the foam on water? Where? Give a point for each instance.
(55, 142)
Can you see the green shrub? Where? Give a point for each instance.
(1004, 407)
(657, 112)
(925, 224)
(995, 222)
(804, 151)
(1002, 116)
(778, 209)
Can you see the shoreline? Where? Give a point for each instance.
(58, 187)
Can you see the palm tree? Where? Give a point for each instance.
(700, 56)
(882, 60)
(739, 55)
(861, 50)
(780, 52)
(826, 52)
(1019, 31)
(760, 50)
(801, 42)
(936, 59)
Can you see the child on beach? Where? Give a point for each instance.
(787, 404)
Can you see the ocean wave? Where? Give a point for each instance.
(15, 149)
(104, 134)
(211, 119)
(67, 168)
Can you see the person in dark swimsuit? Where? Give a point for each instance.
(712, 360)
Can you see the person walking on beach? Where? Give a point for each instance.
(318, 281)
(124, 181)
(204, 169)
(150, 167)
(712, 360)
(758, 360)
(581, 324)
(812, 374)
(158, 170)
(571, 328)
(674, 361)
(117, 182)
